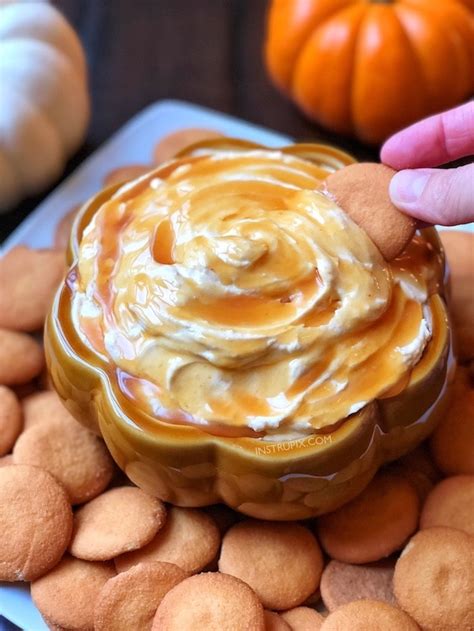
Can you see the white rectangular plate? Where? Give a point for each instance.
(133, 143)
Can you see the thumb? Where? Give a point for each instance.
(443, 196)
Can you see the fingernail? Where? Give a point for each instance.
(407, 187)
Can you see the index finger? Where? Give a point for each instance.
(433, 141)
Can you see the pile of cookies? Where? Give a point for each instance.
(102, 554)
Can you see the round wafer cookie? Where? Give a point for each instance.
(459, 247)
(434, 579)
(43, 406)
(129, 600)
(189, 538)
(212, 601)
(66, 596)
(451, 504)
(121, 519)
(369, 615)
(28, 281)
(452, 443)
(303, 619)
(362, 191)
(374, 524)
(21, 358)
(35, 522)
(342, 583)
(75, 456)
(281, 561)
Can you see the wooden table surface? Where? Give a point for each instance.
(204, 51)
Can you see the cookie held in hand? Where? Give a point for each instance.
(362, 191)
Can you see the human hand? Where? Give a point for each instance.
(442, 196)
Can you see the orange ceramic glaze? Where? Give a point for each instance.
(235, 337)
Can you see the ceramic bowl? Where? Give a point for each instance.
(288, 480)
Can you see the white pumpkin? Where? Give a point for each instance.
(44, 100)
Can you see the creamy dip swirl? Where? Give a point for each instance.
(229, 291)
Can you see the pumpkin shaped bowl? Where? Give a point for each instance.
(276, 479)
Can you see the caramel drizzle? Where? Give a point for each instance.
(131, 388)
(235, 311)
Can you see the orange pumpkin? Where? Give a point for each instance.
(370, 67)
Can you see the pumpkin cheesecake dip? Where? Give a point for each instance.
(149, 565)
(231, 294)
(228, 293)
